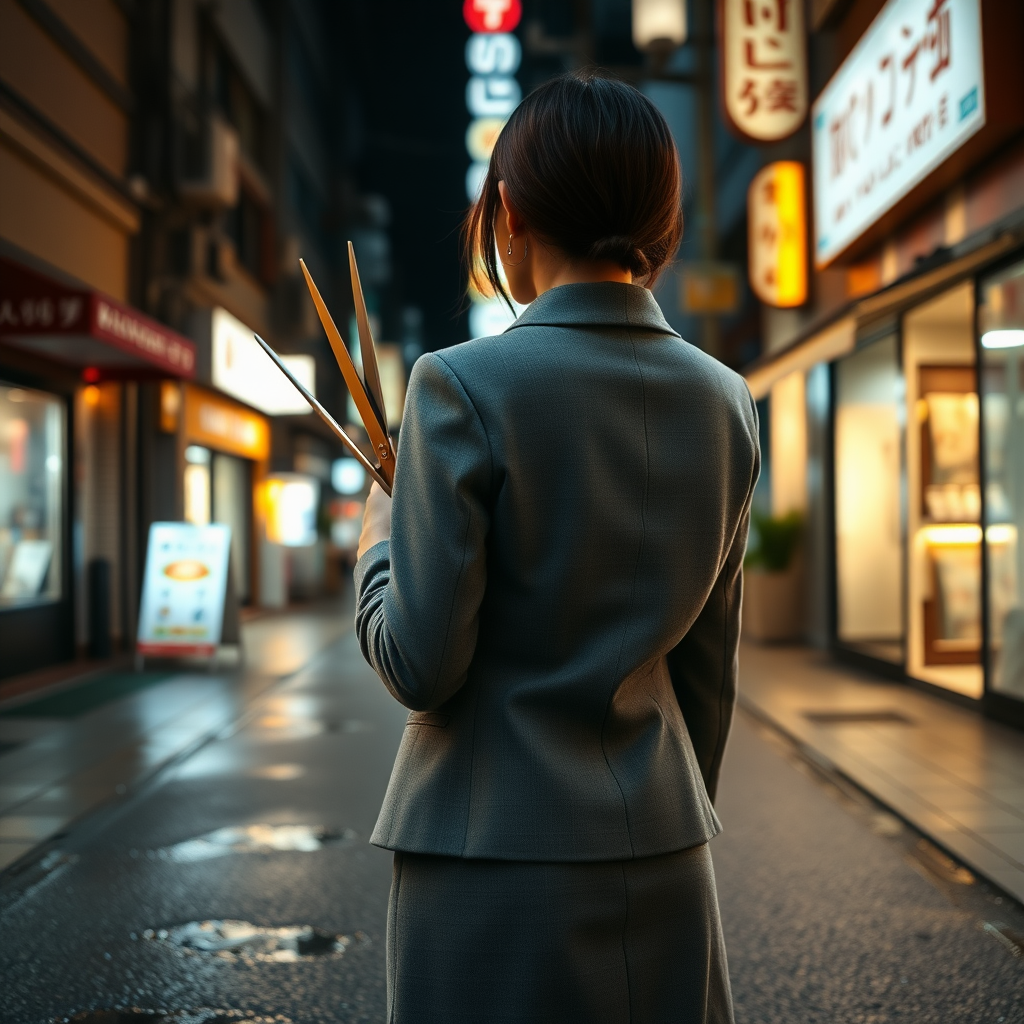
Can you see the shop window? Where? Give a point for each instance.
(943, 494)
(32, 453)
(1001, 324)
(868, 506)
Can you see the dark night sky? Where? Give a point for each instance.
(404, 65)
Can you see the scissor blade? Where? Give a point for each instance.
(366, 345)
(364, 405)
(327, 418)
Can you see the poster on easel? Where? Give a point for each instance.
(184, 590)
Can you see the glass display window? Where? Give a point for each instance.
(868, 501)
(944, 494)
(1001, 328)
(32, 475)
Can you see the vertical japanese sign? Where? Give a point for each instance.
(777, 225)
(493, 55)
(183, 589)
(910, 94)
(764, 67)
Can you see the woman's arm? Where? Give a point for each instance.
(418, 594)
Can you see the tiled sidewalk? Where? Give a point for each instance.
(954, 775)
(55, 770)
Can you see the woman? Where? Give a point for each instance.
(554, 593)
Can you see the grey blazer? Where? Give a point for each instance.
(559, 602)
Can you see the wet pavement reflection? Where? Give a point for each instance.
(251, 943)
(258, 838)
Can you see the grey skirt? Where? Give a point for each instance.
(518, 942)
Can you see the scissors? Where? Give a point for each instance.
(366, 393)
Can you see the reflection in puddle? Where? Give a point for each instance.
(278, 772)
(199, 1015)
(251, 943)
(260, 838)
(276, 728)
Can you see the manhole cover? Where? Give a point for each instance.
(258, 838)
(198, 1015)
(252, 943)
(861, 717)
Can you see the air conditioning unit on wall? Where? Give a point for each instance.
(209, 175)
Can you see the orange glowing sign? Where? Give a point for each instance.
(777, 225)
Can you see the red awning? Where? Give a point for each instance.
(82, 327)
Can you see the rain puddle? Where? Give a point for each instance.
(251, 943)
(260, 838)
(278, 772)
(199, 1015)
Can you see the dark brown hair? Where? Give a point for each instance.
(590, 164)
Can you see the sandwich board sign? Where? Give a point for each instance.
(185, 590)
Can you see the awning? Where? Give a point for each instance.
(81, 327)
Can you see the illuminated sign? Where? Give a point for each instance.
(493, 55)
(221, 424)
(292, 501)
(241, 368)
(910, 94)
(492, 15)
(764, 67)
(183, 589)
(777, 240)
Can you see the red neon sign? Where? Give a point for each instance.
(492, 15)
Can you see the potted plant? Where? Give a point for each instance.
(773, 598)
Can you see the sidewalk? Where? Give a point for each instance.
(66, 751)
(952, 774)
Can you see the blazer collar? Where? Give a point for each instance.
(598, 304)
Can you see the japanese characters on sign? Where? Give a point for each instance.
(764, 67)
(34, 305)
(777, 241)
(909, 95)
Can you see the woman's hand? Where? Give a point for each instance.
(376, 520)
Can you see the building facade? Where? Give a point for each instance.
(892, 395)
(163, 166)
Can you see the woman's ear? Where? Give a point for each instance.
(514, 220)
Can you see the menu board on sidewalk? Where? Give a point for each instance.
(184, 589)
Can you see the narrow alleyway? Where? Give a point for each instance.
(827, 917)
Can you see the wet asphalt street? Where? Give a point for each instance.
(833, 911)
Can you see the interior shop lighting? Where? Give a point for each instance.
(966, 533)
(1002, 339)
(1001, 533)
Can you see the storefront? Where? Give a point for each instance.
(223, 454)
(71, 360)
(909, 394)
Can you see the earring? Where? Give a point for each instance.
(508, 252)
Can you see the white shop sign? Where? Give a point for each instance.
(184, 589)
(909, 95)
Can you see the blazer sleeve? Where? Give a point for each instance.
(418, 595)
(704, 665)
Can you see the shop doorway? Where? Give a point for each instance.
(868, 502)
(218, 489)
(944, 494)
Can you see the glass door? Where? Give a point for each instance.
(1001, 326)
(944, 495)
(868, 501)
(232, 504)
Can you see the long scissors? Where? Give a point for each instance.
(367, 394)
